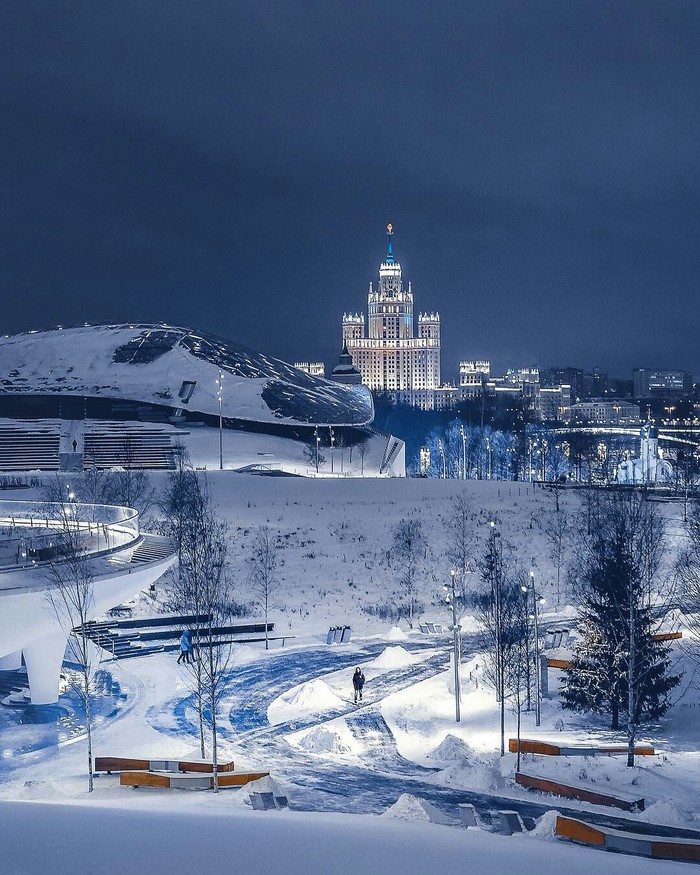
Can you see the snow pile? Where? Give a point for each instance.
(452, 749)
(546, 825)
(332, 738)
(396, 633)
(415, 810)
(472, 775)
(665, 811)
(313, 697)
(469, 624)
(467, 769)
(393, 657)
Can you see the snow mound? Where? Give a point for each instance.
(415, 810)
(396, 633)
(333, 738)
(452, 749)
(469, 623)
(393, 657)
(666, 811)
(313, 697)
(465, 775)
(546, 825)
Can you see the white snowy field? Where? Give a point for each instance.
(160, 836)
(336, 567)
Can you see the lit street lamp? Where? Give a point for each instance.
(535, 599)
(318, 441)
(464, 451)
(441, 450)
(332, 441)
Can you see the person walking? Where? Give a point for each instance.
(186, 648)
(358, 682)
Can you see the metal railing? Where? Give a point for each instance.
(31, 531)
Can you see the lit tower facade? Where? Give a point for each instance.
(389, 356)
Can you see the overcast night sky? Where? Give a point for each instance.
(232, 166)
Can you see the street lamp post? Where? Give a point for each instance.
(220, 395)
(318, 441)
(537, 647)
(464, 451)
(441, 450)
(451, 598)
(332, 442)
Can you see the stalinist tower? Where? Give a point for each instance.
(391, 358)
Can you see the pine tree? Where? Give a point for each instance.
(617, 667)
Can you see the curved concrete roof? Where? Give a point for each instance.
(153, 364)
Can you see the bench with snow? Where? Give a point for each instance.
(266, 801)
(123, 764)
(187, 780)
(546, 748)
(608, 839)
(583, 794)
(503, 822)
(430, 628)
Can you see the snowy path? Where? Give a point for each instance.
(368, 784)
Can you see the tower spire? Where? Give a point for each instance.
(390, 252)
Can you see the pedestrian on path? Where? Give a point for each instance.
(358, 682)
(186, 648)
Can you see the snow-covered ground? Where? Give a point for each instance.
(290, 711)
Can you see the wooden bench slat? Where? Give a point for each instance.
(121, 764)
(190, 780)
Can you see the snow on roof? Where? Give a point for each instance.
(150, 363)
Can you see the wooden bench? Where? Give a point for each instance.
(122, 764)
(546, 748)
(187, 780)
(606, 838)
(583, 794)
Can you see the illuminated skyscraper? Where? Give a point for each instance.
(389, 355)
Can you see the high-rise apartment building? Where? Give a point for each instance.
(389, 355)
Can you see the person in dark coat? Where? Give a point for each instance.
(358, 681)
(186, 648)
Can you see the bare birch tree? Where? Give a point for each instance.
(71, 595)
(408, 547)
(263, 573)
(202, 589)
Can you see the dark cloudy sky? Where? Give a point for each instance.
(232, 166)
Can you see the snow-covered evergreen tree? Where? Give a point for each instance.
(618, 668)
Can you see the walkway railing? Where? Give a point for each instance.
(30, 531)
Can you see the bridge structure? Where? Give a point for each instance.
(122, 560)
(688, 436)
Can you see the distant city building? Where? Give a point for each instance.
(345, 371)
(649, 382)
(473, 376)
(600, 411)
(555, 403)
(573, 377)
(594, 384)
(389, 356)
(314, 369)
(649, 467)
(521, 383)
